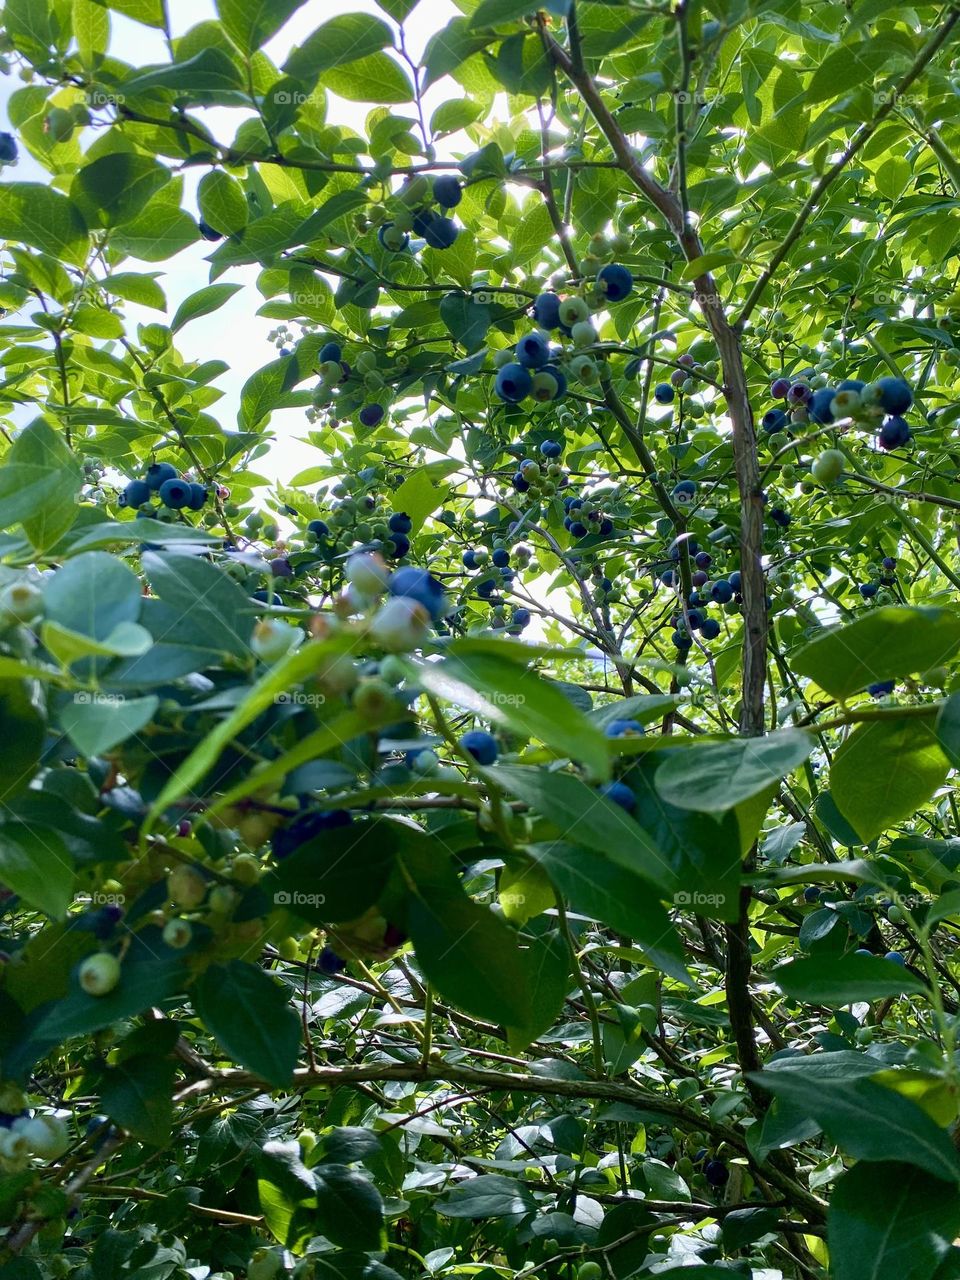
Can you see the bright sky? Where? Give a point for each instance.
(235, 333)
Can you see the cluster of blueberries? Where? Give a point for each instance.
(850, 399)
(431, 225)
(163, 481)
(705, 592)
(505, 563)
(581, 520)
(534, 369)
(333, 369)
(530, 474)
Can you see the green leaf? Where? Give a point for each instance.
(95, 724)
(585, 817)
(884, 771)
(376, 78)
(39, 482)
(490, 1195)
(22, 731)
(115, 188)
(533, 232)
(344, 39)
(251, 23)
(491, 13)
(37, 866)
(883, 644)
(419, 496)
(149, 12)
(468, 953)
(947, 729)
(222, 203)
(93, 594)
(250, 1015)
(888, 1221)
(517, 698)
(643, 707)
(602, 890)
(209, 71)
(468, 321)
(202, 303)
(134, 286)
(217, 608)
(137, 1094)
(338, 874)
(713, 776)
(43, 218)
(126, 640)
(837, 980)
(349, 1208)
(868, 1121)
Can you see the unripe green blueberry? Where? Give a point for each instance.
(223, 899)
(178, 934)
(583, 334)
(573, 310)
(272, 639)
(414, 191)
(99, 973)
(584, 369)
(894, 914)
(186, 886)
(20, 602)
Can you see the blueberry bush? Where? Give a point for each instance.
(525, 840)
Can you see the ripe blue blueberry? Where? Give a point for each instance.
(664, 393)
(520, 482)
(485, 588)
(695, 619)
(307, 826)
(895, 957)
(721, 591)
(605, 527)
(533, 350)
(716, 1173)
(699, 579)
(780, 517)
(438, 231)
(266, 597)
(418, 584)
(208, 232)
(863, 951)
(889, 563)
(894, 433)
(447, 191)
(175, 493)
(521, 617)
(684, 491)
(198, 497)
(135, 494)
(681, 640)
(623, 729)
(710, 629)
(668, 577)
(482, 746)
(811, 893)
(620, 794)
(616, 281)
(578, 529)
(819, 407)
(774, 420)
(470, 559)
(734, 579)
(779, 388)
(157, 473)
(551, 449)
(868, 589)
(399, 522)
(371, 415)
(319, 528)
(281, 567)
(501, 557)
(329, 962)
(546, 310)
(330, 351)
(852, 384)
(881, 688)
(513, 383)
(703, 560)
(895, 395)
(8, 148)
(401, 545)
